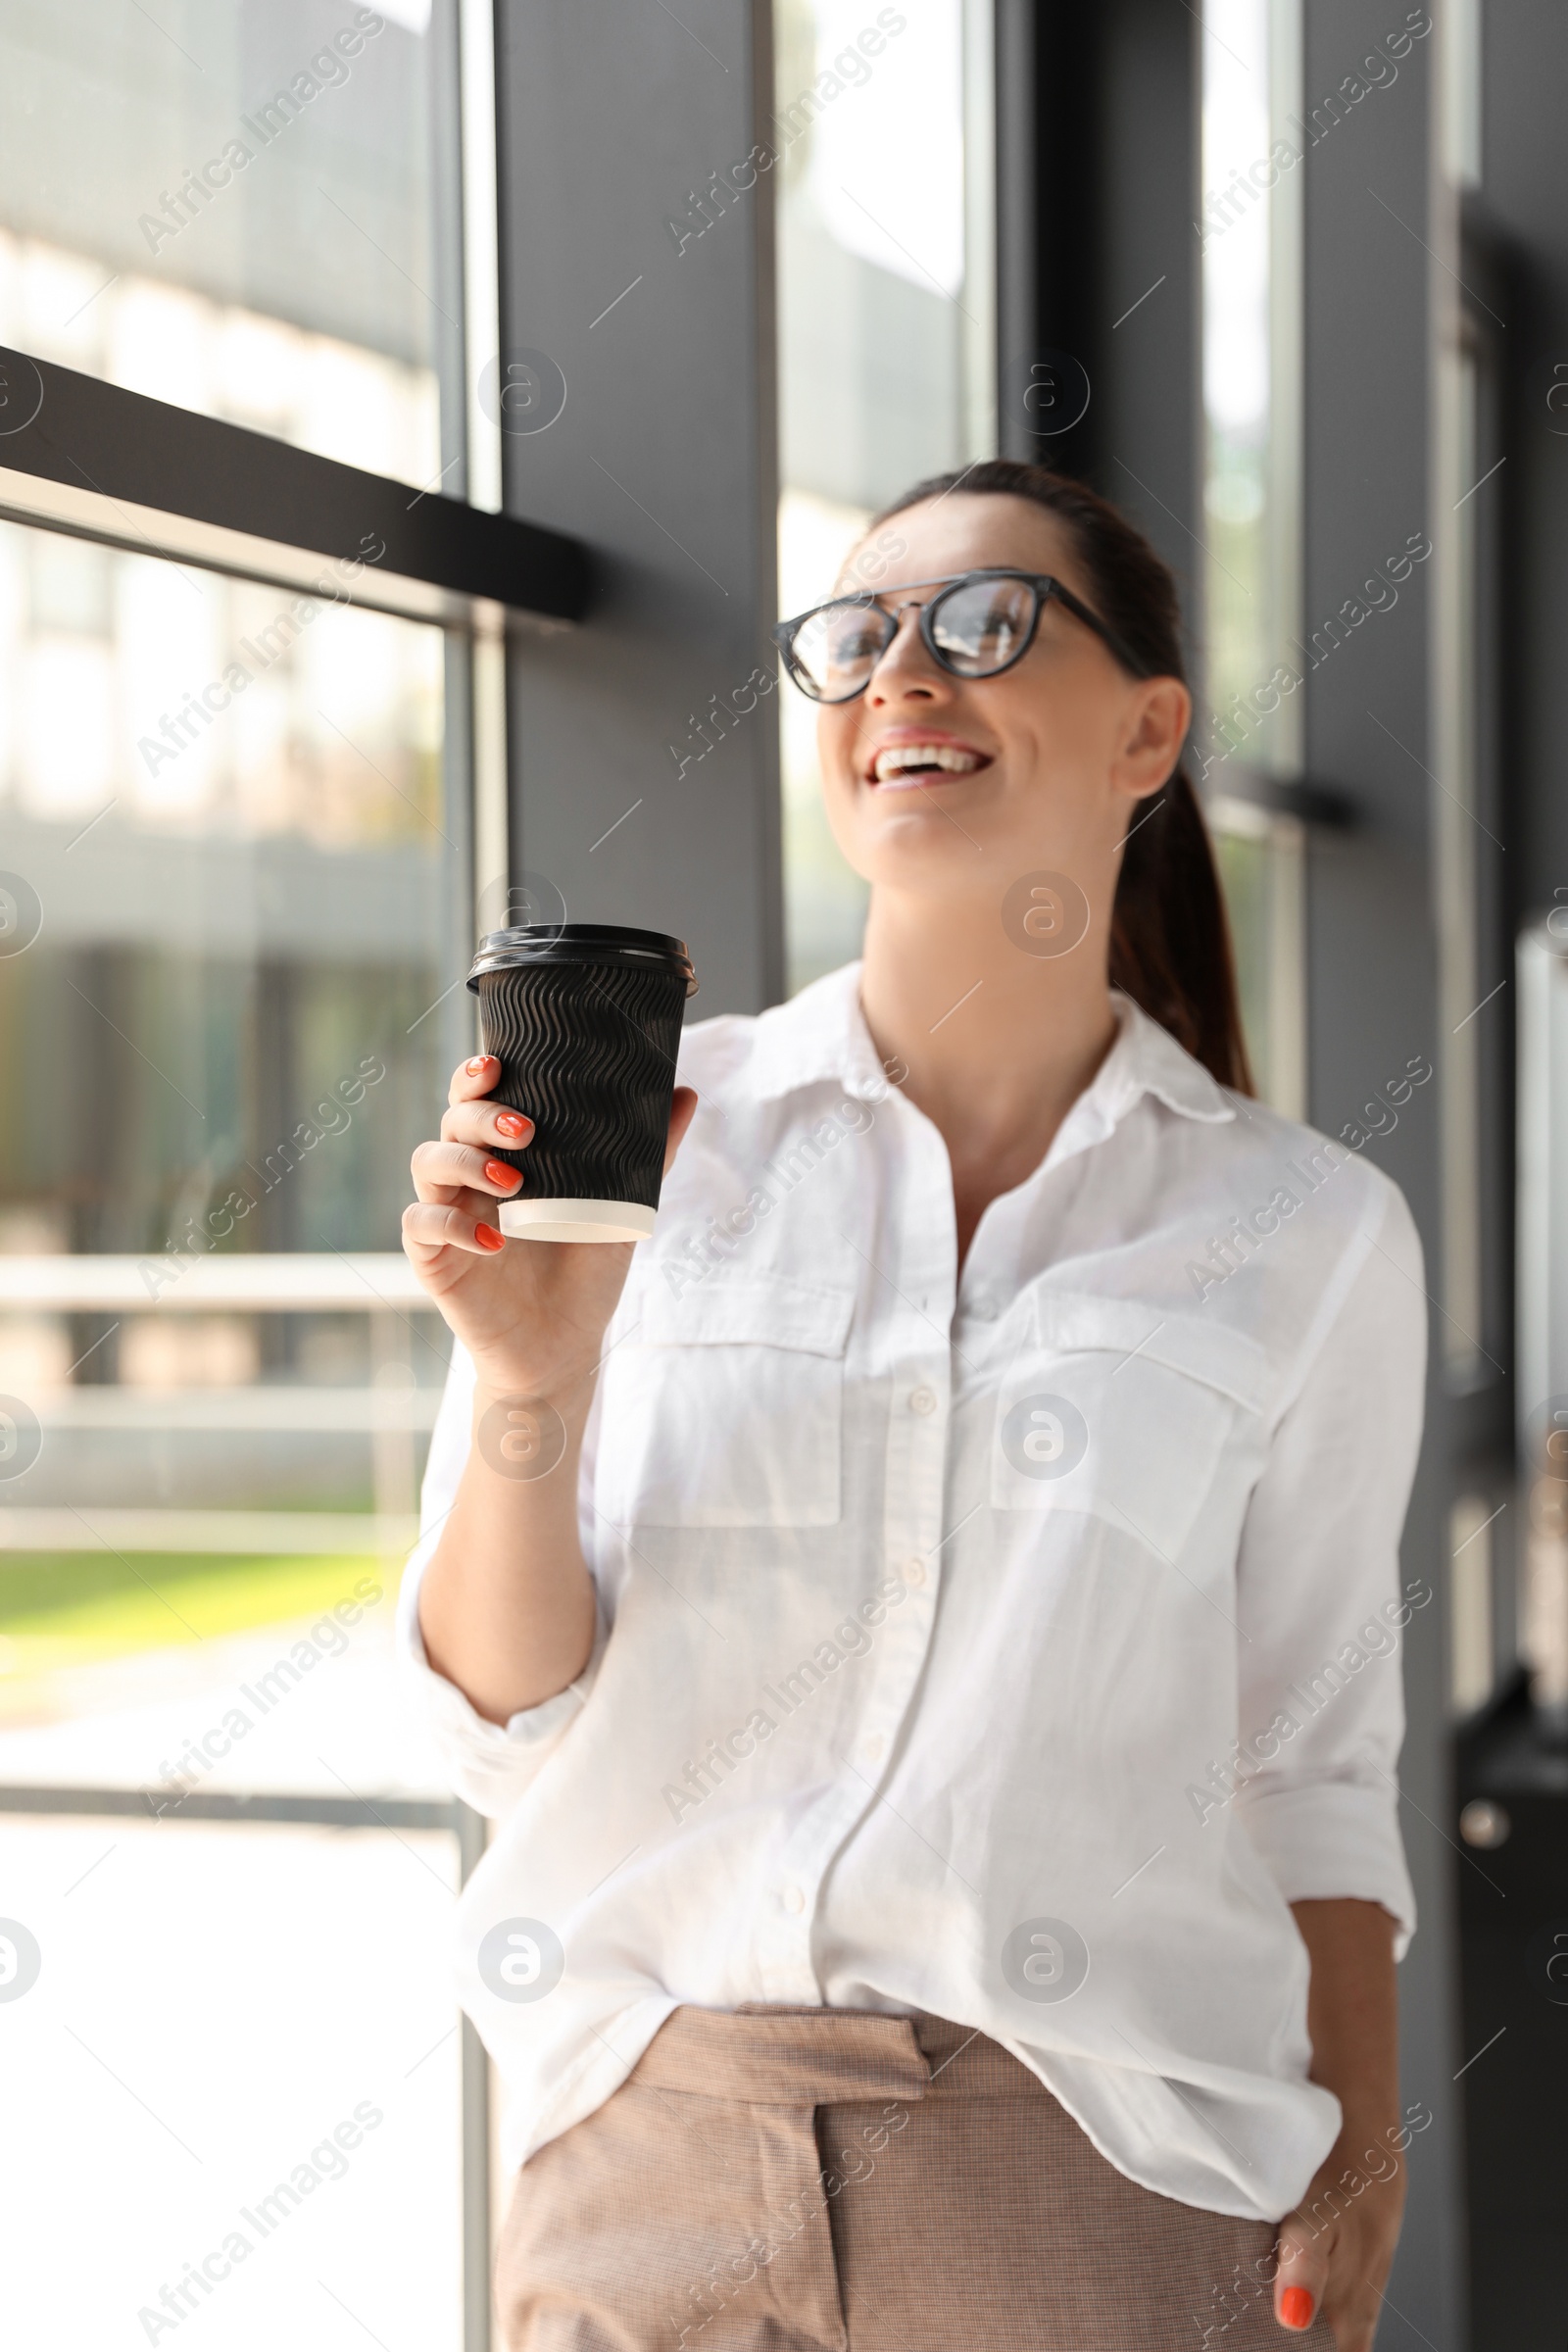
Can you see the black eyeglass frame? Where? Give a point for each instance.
(1046, 589)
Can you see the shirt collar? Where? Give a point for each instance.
(820, 1038)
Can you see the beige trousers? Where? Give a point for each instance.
(829, 2180)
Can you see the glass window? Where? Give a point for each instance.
(885, 238)
(241, 206)
(240, 2050)
(1251, 231)
(235, 909)
(239, 882)
(1263, 869)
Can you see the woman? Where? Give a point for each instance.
(938, 1709)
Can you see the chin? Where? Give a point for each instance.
(942, 807)
(914, 848)
(907, 835)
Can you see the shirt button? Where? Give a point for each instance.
(914, 1572)
(922, 1401)
(794, 1898)
(983, 1307)
(873, 1747)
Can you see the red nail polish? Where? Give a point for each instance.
(488, 1239)
(512, 1122)
(499, 1173)
(1295, 2306)
(477, 1067)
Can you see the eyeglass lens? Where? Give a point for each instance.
(979, 626)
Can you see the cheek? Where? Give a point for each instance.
(837, 734)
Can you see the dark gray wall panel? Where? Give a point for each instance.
(612, 116)
(1515, 267)
(1097, 152)
(1525, 196)
(1149, 442)
(1372, 951)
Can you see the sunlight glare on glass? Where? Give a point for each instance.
(887, 155)
(1236, 257)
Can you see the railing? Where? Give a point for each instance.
(392, 1412)
(254, 1282)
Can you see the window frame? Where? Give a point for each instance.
(116, 467)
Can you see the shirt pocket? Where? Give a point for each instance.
(1112, 1408)
(724, 1407)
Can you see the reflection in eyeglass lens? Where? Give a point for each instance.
(839, 646)
(981, 627)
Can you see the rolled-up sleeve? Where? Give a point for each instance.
(488, 1764)
(1321, 1602)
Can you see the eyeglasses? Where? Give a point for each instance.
(981, 624)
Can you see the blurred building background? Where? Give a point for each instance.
(308, 313)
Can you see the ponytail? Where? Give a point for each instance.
(1170, 941)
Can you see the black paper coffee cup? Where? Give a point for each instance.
(585, 1020)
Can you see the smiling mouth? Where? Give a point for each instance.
(912, 762)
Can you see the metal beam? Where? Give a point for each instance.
(139, 473)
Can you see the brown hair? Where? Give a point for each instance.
(1170, 942)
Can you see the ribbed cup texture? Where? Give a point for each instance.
(588, 1051)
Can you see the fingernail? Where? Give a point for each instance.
(499, 1173)
(512, 1122)
(477, 1067)
(488, 1239)
(1295, 2306)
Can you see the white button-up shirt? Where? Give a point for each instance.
(1015, 1645)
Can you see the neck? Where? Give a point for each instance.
(999, 1043)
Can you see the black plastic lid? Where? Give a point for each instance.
(581, 943)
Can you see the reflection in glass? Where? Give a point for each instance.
(241, 208)
(1249, 714)
(1251, 278)
(1262, 870)
(884, 338)
(227, 804)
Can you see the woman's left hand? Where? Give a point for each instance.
(1337, 2248)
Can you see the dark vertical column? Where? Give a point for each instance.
(636, 204)
(1372, 953)
(1018, 172)
(1515, 267)
(1524, 198)
(1098, 151)
(1147, 439)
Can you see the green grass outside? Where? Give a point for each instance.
(69, 1608)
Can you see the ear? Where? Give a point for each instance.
(1160, 712)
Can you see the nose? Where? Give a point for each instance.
(905, 671)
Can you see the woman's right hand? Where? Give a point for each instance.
(531, 1314)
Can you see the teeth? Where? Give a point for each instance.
(903, 755)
